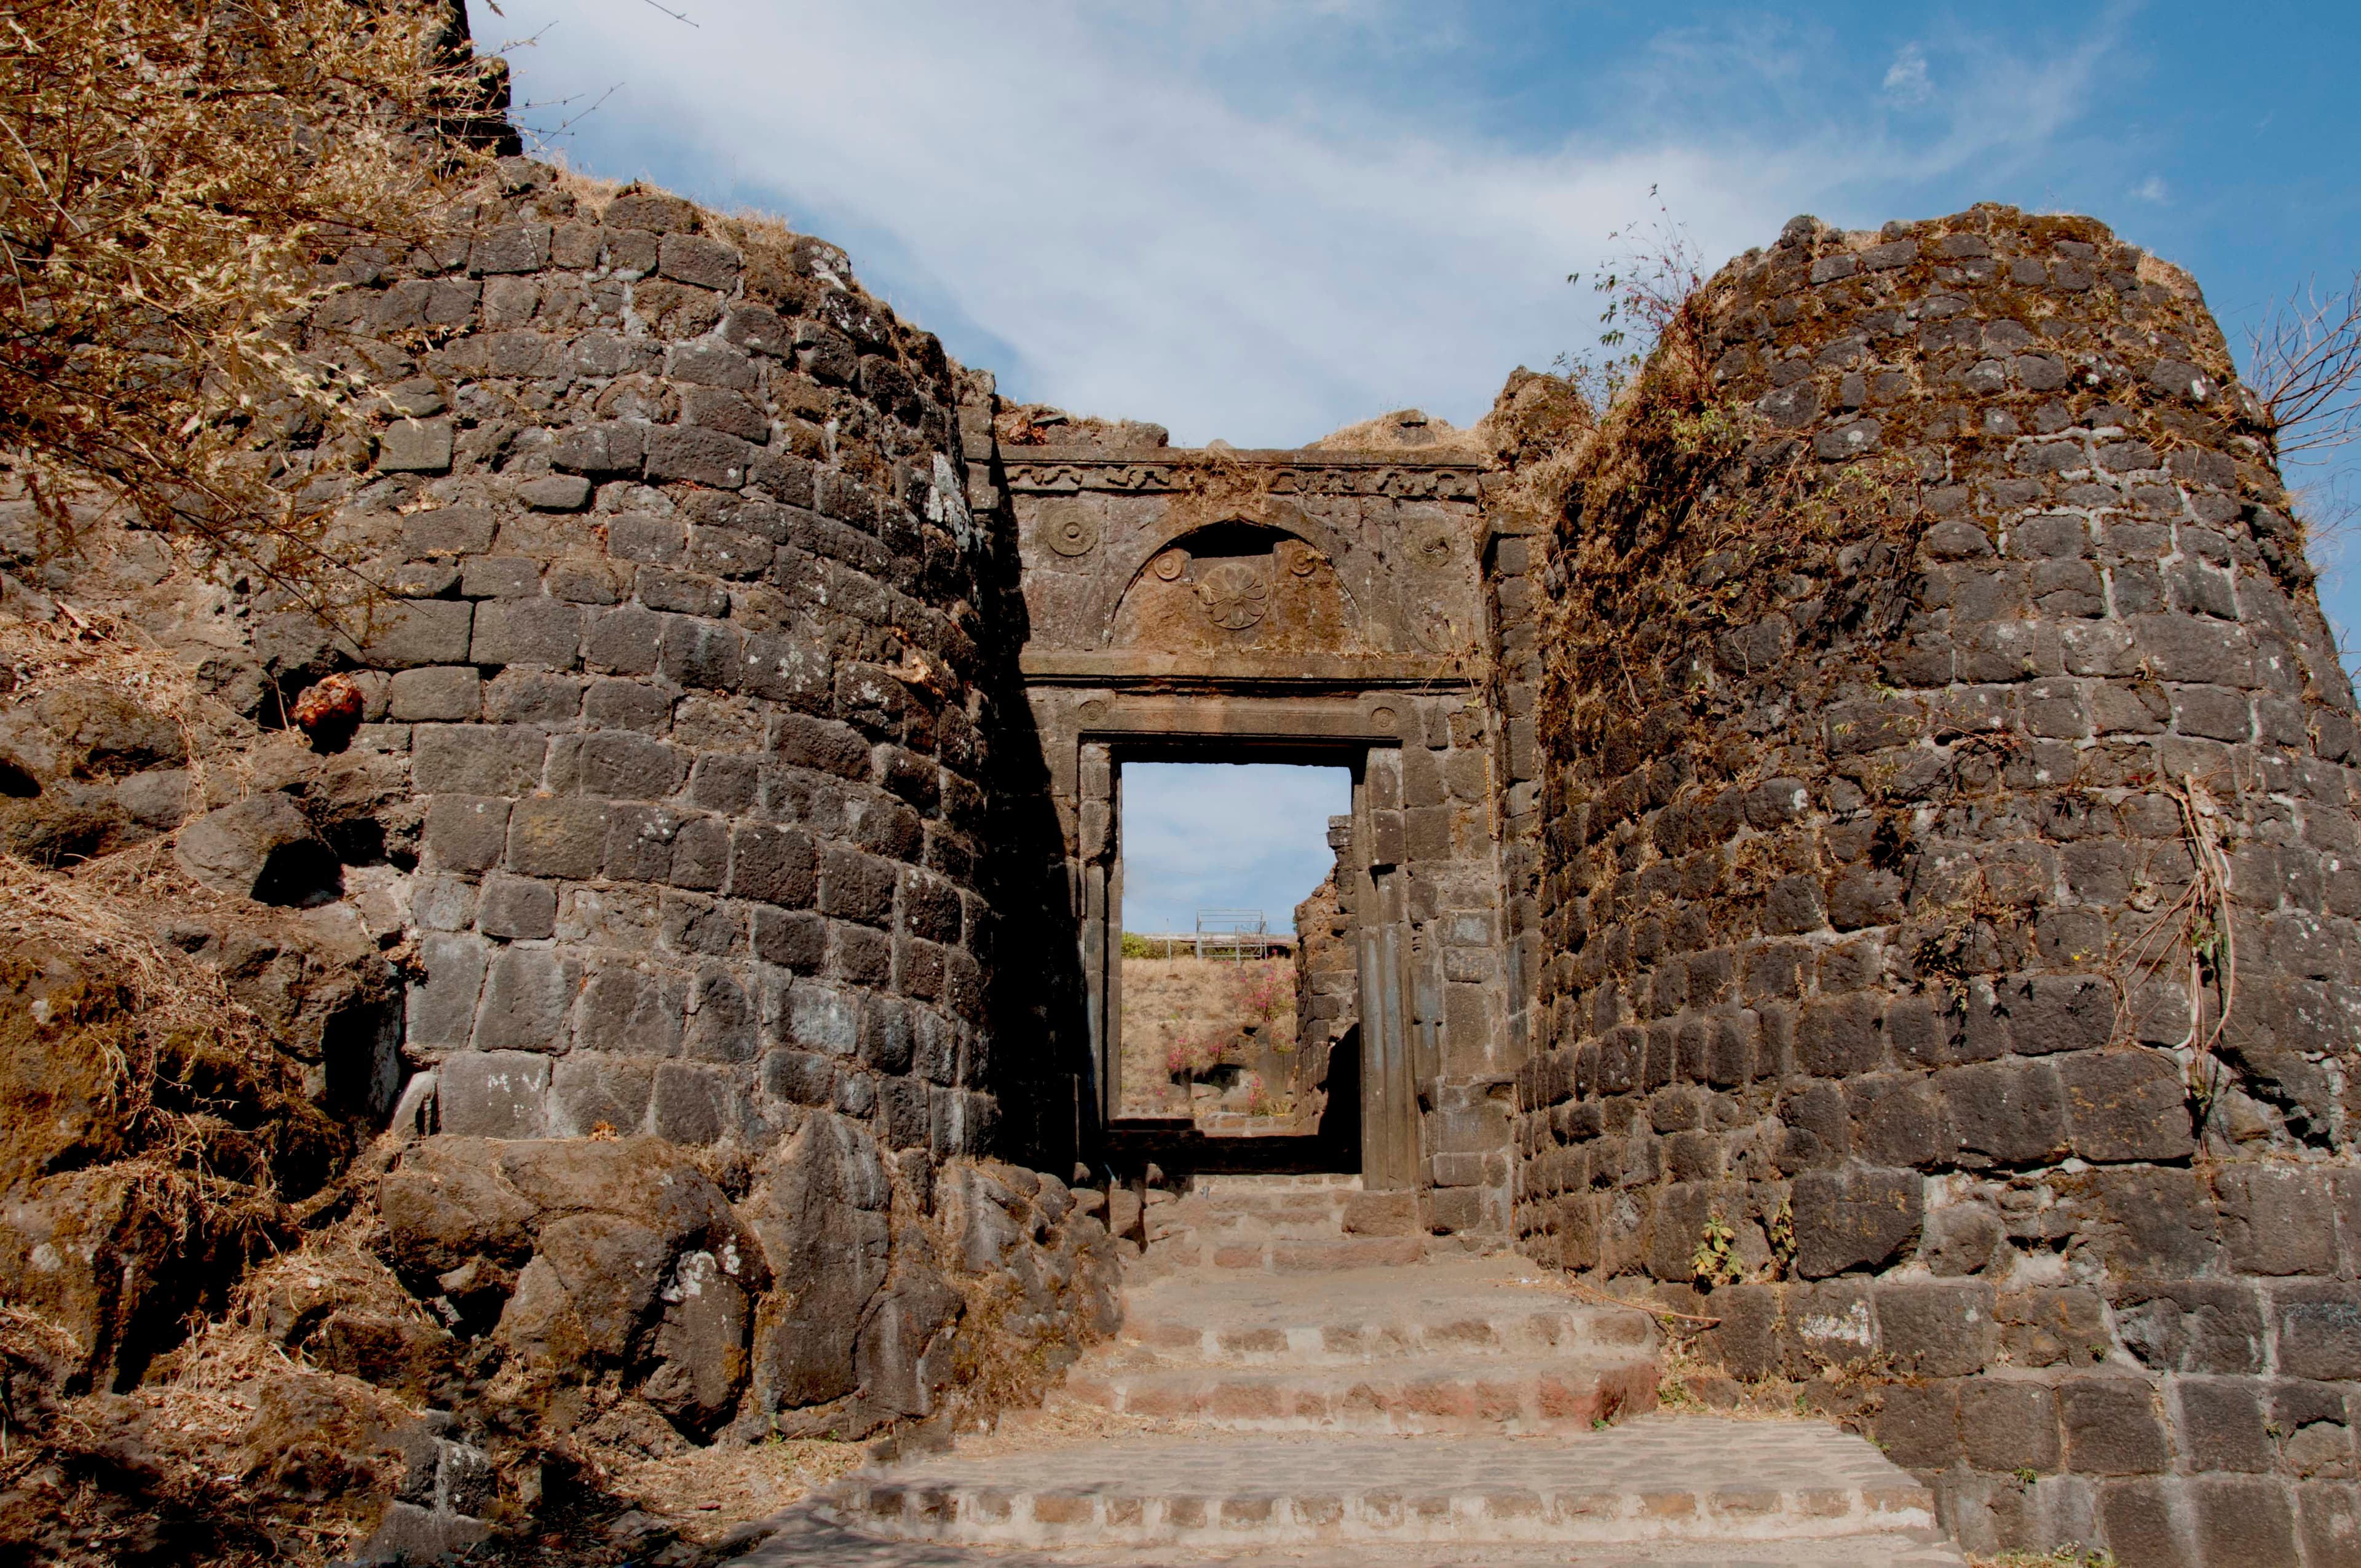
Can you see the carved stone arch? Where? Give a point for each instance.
(1237, 586)
(1360, 617)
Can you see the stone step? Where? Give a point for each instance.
(1660, 1480)
(799, 1539)
(1425, 1395)
(1451, 1306)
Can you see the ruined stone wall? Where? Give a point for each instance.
(1965, 626)
(676, 715)
(1327, 981)
(686, 667)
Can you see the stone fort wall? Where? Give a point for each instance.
(680, 714)
(1878, 877)
(1950, 893)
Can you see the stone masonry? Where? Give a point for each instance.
(1922, 944)
(1879, 932)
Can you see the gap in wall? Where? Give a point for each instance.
(1217, 857)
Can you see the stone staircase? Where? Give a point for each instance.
(1302, 1378)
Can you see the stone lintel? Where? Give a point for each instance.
(1125, 669)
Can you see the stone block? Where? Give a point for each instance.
(2191, 648)
(615, 447)
(2009, 1425)
(492, 1094)
(1856, 1217)
(546, 632)
(618, 765)
(853, 886)
(528, 992)
(498, 576)
(445, 693)
(700, 854)
(710, 364)
(698, 456)
(554, 493)
(2125, 1105)
(2111, 1427)
(723, 1025)
(795, 940)
(440, 1005)
(2192, 1325)
(589, 1093)
(690, 1104)
(516, 907)
(440, 903)
(2160, 1223)
(691, 922)
(629, 1011)
(1938, 1328)
(513, 248)
(2243, 1522)
(2278, 1219)
(414, 446)
(476, 758)
(2319, 1327)
(1918, 1425)
(2009, 1112)
(2138, 1517)
(2328, 1522)
(2049, 1325)
(821, 1018)
(2048, 1013)
(1839, 1038)
(1832, 1324)
(557, 836)
(532, 696)
(2221, 1423)
(406, 633)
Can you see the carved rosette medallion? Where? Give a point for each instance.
(1072, 532)
(1235, 595)
(1169, 566)
(1300, 558)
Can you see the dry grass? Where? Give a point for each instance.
(172, 180)
(1689, 1383)
(706, 1490)
(1176, 1008)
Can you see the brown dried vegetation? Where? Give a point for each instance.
(169, 201)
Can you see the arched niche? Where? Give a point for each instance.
(1239, 586)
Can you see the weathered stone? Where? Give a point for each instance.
(820, 1216)
(262, 848)
(1856, 1216)
(2111, 1427)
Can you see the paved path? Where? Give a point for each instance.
(804, 1542)
(1304, 1408)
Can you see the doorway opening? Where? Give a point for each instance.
(1235, 1000)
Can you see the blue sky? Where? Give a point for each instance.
(1207, 836)
(1263, 219)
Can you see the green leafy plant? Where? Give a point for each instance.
(1715, 1260)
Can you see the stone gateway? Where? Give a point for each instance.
(1853, 848)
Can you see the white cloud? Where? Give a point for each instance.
(1907, 80)
(2151, 189)
(1202, 212)
(1198, 836)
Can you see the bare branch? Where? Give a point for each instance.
(2304, 364)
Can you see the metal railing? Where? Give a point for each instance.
(1235, 935)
